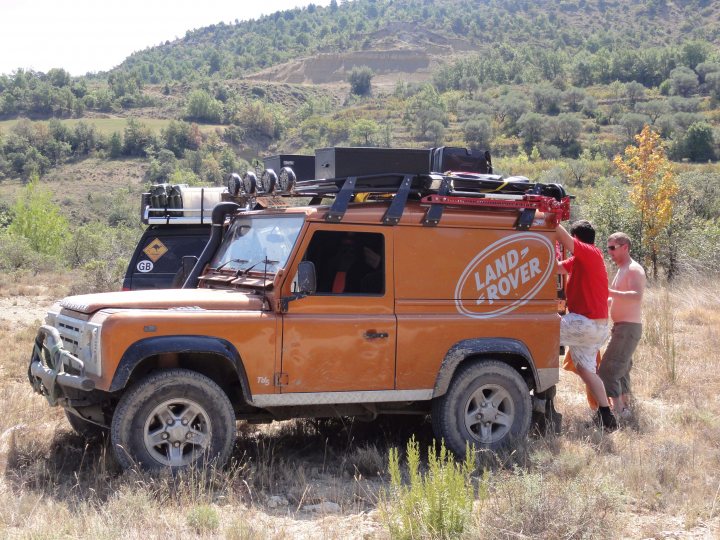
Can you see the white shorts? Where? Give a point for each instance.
(585, 337)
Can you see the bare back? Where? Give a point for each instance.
(626, 305)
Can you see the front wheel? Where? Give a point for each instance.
(87, 430)
(487, 406)
(174, 418)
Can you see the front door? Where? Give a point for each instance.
(343, 337)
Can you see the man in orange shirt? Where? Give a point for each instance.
(584, 328)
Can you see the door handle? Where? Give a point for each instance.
(376, 335)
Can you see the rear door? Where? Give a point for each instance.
(343, 337)
(158, 255)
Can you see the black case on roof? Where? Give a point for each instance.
(341, 162)
(458, 159)
(302, 166)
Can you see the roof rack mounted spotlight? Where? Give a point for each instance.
(268, 181)
(286, 180)
(249, 183)
(234, 184)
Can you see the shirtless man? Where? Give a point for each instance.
(626, 292)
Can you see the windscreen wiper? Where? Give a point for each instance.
(223, 265)
(246, 271)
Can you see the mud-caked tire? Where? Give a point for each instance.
(486, 406)
(174, 419)
(87, 430)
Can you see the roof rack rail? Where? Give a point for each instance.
(179, 204)
(440, 190)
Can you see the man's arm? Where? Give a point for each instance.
(636, 285)
(562, 236)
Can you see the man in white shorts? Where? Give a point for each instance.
(585, 328)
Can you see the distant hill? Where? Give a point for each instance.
(382, 33)
(547, 79)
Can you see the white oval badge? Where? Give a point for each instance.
(505, 275)
(145, 266)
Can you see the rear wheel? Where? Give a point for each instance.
(486, 406)
(174, 418)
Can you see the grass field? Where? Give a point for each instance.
(658, 477)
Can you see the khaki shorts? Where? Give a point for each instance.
(617, 360)
(585, 337)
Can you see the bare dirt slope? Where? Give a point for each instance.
(397, 52)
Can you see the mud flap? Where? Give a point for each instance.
(545, 419)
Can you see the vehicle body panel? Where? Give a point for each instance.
(360, 354)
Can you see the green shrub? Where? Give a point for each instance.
(436, 504)
(203, 519)
(36, 218)
(18, 254)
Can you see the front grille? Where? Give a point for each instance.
(81, 338)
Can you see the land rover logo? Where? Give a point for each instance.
(505, 275)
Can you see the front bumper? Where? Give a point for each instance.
(50, 364)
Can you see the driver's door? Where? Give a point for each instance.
(342, 338)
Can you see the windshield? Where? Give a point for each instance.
(258, 243)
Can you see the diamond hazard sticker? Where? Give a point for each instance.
(155, 249)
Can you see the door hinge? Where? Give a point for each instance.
(281, 379)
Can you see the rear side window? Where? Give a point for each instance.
(158, 258)
(166, 252)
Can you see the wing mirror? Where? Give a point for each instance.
(307, 280)
(306, 284)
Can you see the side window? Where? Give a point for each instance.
(348, 262)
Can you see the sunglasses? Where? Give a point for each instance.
(613, 248)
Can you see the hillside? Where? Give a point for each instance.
(440, 30)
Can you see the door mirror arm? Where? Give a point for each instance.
(307, 284)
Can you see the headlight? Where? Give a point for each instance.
(80, 338)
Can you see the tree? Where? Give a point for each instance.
(202, 107)
(38, 219)
(478, 132)
(546, 98)
(362, 131)
(683, 81)
(712, 84)
(574, 97)
(563, 132)
(435, 132)
(532, 127)
(653, 109)
(360, 79)
(653, 188)
(115, 145)
(698, 144)
(634, 91)
(633, 123)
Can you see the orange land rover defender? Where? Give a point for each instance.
(436, 294)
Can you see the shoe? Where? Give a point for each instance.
(606, 419)
(625, 414)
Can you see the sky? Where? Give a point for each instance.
(84, 36)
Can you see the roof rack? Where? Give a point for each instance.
(440, 190)
(180, 204)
